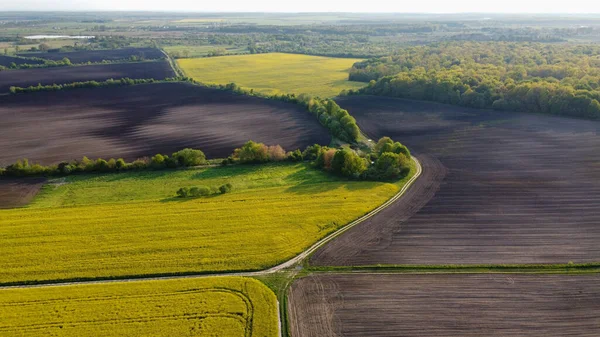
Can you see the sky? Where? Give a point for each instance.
(411, 6)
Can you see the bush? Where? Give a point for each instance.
(252, 152)
(158, 161)
(312, 152)
(189, 157)
(388, 166)
(386, 144)
(347, 163)
(226, 188)
(200, 191)
(183, 192)
(295, 156)
(276, 153)
(120, 164)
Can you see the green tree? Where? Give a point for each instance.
(252, 152)
(189, 157)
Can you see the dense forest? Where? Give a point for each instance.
(560, 79)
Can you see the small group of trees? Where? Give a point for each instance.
(183, 158)
(388, 160)
(252, 152)
(203, 191)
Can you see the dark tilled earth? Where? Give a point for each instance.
(452, 305)
(497, 188)
(18, 192)
(60, 75)
(142, 120)
(100, 55)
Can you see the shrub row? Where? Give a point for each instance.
(203, 191)
(66, 62)
(88, 84)
(183, 158)
(46, 64)
(388, 160)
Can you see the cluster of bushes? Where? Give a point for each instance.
(528, 77)
(255, 153)
(203, 191)
(388, 160)
(183, 158)
(88, 84)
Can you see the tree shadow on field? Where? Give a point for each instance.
(321, 182)
(118, 176)
(182, 200)
(226, 171)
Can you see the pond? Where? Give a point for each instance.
(39, 37)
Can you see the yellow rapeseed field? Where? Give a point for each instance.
(221, 306)
(275, 73)
(131, 224)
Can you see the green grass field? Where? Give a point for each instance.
(223, 306)
(275, 73)
(126, 224)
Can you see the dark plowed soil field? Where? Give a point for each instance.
(18, 192)
(100, 55)
(491, 305)
(7, 60)
(135, 121)
(497, 188)
(61, 75)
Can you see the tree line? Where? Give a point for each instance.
(184, 158)
(528, 77)
(387, 160)
(88, 84)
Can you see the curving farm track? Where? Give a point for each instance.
(497, 188)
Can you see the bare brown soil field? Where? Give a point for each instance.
(7, 60)
(142, 120)
(100, 55)
(497, 188)
(18, 192)
(457, 305)
(61, 75)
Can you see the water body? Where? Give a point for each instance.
(39, 37)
